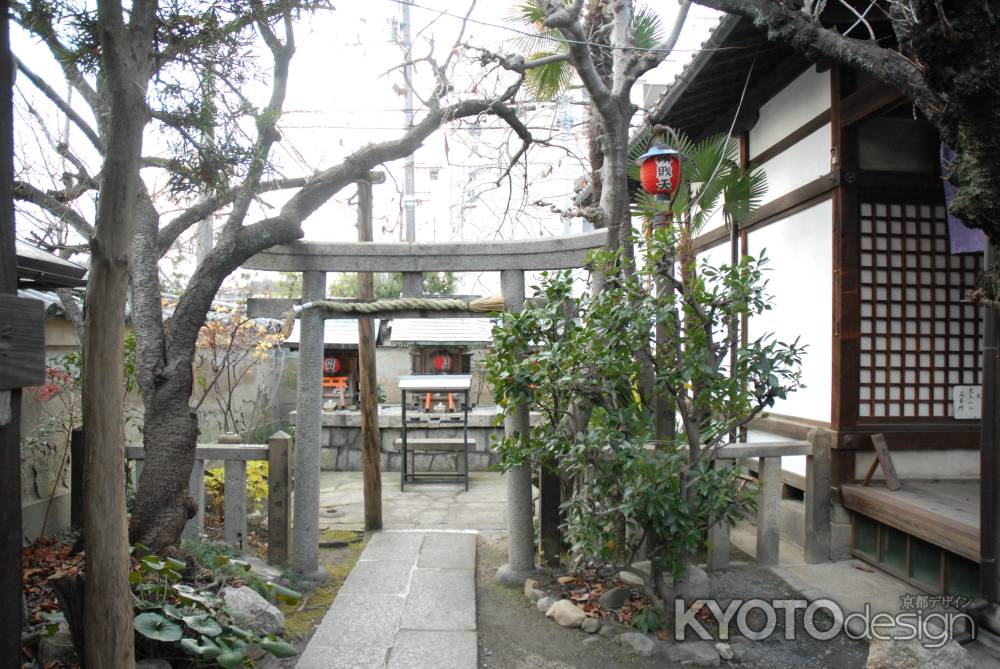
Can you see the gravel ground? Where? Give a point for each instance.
(513, 634)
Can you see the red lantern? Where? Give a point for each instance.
(443, 362)
(660, 170)
(331, 365)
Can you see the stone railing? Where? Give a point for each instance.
(277, 451)
(817, 501)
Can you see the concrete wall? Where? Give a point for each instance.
(45, 467)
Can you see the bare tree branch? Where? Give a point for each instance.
(63, 106)
(28, 193)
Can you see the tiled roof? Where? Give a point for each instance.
(441, 331)
(336, 332)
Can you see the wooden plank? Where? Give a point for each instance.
(764, 450)
(918, 511)
(22, 342)
(869, 100)
(794, 201)
(279, 498)
(882, 455)
(11, 537)
(769, 511)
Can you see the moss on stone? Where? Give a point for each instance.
(302, 618)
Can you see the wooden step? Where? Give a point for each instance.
(421, 444)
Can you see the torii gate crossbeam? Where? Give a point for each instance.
(314, 260)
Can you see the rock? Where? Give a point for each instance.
(725, 651)
(630, 578)
(893, 654)
(256, 611)
(544, 603)
(694, 654)
(741, 648)
(56, 648)
(532, 591)
(262, 569)
(611, 628)
(639, 644)
(693, 585)
(591, 640)
(152, 664)
(591, 626)
(566, 613)
(613, 598)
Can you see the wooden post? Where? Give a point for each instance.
(279, 497)
(818, 473)
(371, 440)
(76, 459)
(235, 503)
(989, 453)
(768, 510)
(549, 499)
(10, 392)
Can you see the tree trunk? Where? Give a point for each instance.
(163, 503)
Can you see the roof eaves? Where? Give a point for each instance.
(690, 72)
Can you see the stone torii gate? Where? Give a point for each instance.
(511, 258)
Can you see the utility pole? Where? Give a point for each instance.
(413, 282)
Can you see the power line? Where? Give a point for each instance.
(559, 40)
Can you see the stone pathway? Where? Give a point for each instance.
(409, 603)
(482, 507)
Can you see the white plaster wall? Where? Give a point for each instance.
(796, 104)
(799, 249)
(807, 159)
(954, 464)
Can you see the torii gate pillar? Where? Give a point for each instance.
(520, 513)
(308, 430)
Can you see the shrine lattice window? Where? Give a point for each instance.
(919, 334)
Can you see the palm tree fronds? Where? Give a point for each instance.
(547, 81)
(647, 27)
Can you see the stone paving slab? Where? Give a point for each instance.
(379, 577)
(417, 649)
(448, 550)
(393, 611)
(441, 599)
(393, 546)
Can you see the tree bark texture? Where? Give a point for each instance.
(126, 51)
(371, 440)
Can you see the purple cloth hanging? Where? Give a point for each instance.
(962, 238)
